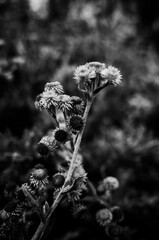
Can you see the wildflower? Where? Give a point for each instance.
(96, 66)
(64, 102)
(81, 73)
(117, 214)
(54, 86)
(111, 75)
(39, 178)
(104, 216)
(61, 135)
(39, 102)
(47, 144)
(58, 180)
(76, 123)
(110, 183)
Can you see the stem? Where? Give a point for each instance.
(41, 230)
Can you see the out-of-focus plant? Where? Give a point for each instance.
(70, 184)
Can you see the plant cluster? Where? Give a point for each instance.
(70, 186)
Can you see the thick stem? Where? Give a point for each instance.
(41, 230)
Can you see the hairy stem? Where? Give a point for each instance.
(43, 227)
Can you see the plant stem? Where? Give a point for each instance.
(41, 230)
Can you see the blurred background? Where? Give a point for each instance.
(44, 40)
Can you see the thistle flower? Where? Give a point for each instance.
(61, 135)
(111, 75)
(47, 144)
(111, 183)
(39, 178)
(75, 123)
(58, 180)
(54, 86)
(104, 216)
(96, 66)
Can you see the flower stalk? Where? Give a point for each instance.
(43, 227)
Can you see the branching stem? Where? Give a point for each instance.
(43, 227)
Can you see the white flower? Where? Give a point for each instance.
(54, 86)
(112, 75)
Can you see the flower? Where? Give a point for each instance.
(104, 216)
(111, 75)
(81, 72)
(111, 183)
(76, 123)
(58, 180)
(54, 86)
(47, 144)
(96, 66)
(39, 178)
(61, 135)
(64, 102)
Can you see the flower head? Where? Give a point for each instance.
(47, 144)
(104, 216)
(58, 180)
(64, 102)
(111, 183)
(54, 86)
(39, 177)
(111, 75)
(61, 135)
(76, 123)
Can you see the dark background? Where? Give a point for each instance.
(121, 138)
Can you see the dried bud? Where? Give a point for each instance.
(76, 123)
(58, 180)
(39, 178)
(61, 135)
(104, 216)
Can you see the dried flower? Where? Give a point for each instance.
(111, 75)
(111, 183)
(61, 135)
(58, 180)
(47, 144)
(64, 102)
(104, 216)
(54, 86)
(39, 177)
(76, 123)
(81, 73)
